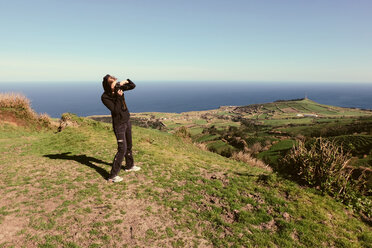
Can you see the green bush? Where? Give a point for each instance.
(324, 165)
(183, 133)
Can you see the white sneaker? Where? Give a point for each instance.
(116, 179)
(134, 168)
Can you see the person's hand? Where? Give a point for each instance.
(124, 82)
(120, 92)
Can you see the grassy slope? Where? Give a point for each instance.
(54, 193)
(308, 106)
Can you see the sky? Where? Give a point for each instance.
(193, 40)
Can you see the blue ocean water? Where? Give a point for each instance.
(84, 98)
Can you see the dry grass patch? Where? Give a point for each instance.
(248, 159)
(14, 100)
(16, 109)
(201, 146)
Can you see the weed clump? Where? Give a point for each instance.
(201, 146)
(68, 119)
(324, 164)
(183, 133)
(15, 101)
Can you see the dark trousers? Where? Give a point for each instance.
(123, 133)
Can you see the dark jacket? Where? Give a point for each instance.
(116, 104)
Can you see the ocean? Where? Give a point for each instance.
(84, 98)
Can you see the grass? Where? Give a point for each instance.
(55, 194)
(276, 151)
(200, 122)
(356, 144)
(207, 137)
(182, 195)
(196, 131)
(220, 147)
(279, 122)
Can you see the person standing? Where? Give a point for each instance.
(113, 99)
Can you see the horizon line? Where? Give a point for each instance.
(196, 81)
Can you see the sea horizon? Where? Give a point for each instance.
(83, 98)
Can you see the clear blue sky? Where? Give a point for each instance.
(243, 40)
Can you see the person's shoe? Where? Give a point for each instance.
(134, 168)
(115, 179)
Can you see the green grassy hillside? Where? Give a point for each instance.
(54, 193)
(275, 114)
(265, 123)
(291, 108)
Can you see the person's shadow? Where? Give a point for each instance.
(83, 159)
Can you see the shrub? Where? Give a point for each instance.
(14, 100)
(226, 152)
(44, 120)
(323, 164)
(183, 133)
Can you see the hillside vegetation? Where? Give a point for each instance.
(15, 109)
(263, 134)
(256, 128)
(54, 193)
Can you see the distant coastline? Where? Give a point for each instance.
(83, 98)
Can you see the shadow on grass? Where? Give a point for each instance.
(82, 159)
